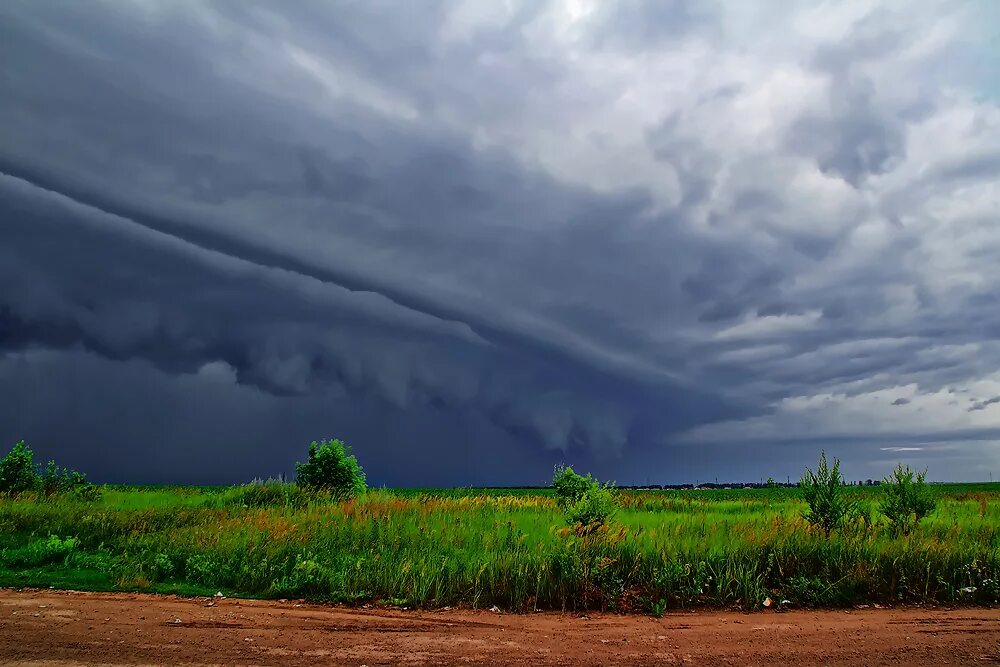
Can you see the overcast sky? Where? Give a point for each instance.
(663, 240)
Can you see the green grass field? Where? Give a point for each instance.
(513, 548)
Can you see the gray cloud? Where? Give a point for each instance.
(982, 405)
(598, 229)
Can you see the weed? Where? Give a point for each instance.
(824, 494)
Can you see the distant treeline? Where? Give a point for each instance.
(672, 487)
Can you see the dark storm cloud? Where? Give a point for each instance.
(982, 405)
(597, 229)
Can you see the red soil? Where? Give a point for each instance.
(69, 628)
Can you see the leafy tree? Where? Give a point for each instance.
(906, 498)
(331, 467)
(569, 486)
(17, 470)
(583, 500)
(824, 494)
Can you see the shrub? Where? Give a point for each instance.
(595, 507)
(55, 479)
(18, 473)
(569, 486)
(17, 470)
(88, 492)
(824, 494)
(906, 498)
(583, 500)
(331, 467)
(39, 552)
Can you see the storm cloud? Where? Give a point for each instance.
(661, 239)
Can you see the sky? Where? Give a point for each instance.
(663, 241)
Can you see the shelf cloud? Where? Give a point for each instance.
(662, 239)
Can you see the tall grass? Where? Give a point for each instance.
(433, 548)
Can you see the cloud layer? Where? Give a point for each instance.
(636, 234)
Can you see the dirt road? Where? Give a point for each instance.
(68, 628)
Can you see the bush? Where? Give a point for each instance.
(906, 498)
(18, 473)
(595, 507)
(39, 552)
(583, 500)
(88, 492)
(61, 480)
(331, 467)
(569, 486)
(17, 470)
(823, 492)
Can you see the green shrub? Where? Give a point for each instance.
(906, 498)
(331, 467)
(87, 492)
(583, 500)
(823, 492)
(55, 479)
(595, 507)
(18, 473)
(569, 486)
(201, 569)
(39, 552)
(17, 470)
(161, 567)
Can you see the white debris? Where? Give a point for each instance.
(495, 609)
(768, 602)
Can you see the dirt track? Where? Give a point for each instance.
(67, 628)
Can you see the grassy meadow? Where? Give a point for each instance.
(514, 549)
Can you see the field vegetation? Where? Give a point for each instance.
(577, 545)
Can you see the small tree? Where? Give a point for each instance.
(569, 486)
(17, 470)
(331, 467)
(582, 499)
(906, 498)
(823, 493)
